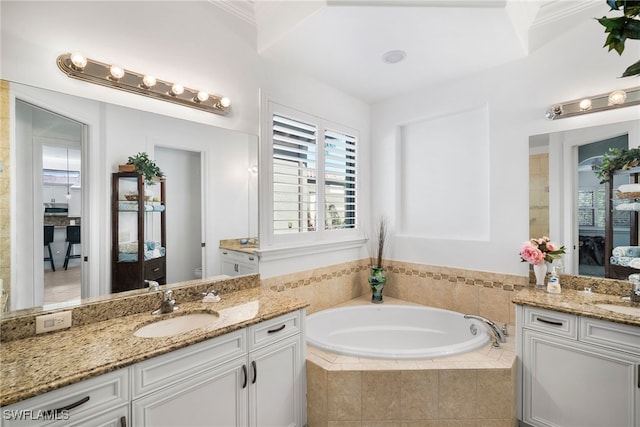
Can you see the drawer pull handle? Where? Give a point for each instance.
(273, 331)
(53, 412)
(251, 258)
(255, 372)
(156, 269)
(244, 372)
(549, 322)
(123, 421)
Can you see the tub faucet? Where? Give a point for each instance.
(168, 304)
(499, 334)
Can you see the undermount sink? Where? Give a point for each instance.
(176, 325)
(622, 308)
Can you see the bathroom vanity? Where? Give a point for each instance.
(579, 360)
(245, 369)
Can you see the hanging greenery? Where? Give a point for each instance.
(617, 159)
(622, 28)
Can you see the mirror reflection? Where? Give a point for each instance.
(62, 232)
(568, 201)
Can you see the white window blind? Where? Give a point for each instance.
(339, 180)
(295, 170)
(313, 177)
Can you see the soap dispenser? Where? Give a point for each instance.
(553, 285)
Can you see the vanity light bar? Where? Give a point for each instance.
(603, 102)
(111, 75)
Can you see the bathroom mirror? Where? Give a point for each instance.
(566, 199)
(224, 202)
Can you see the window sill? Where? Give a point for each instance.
(293, 251)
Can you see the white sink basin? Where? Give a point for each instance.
(176, 325)
(623, 309)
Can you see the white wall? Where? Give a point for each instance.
(193, 42)
(572, 66)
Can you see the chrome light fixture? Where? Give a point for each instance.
(79, 67)
(602, 102)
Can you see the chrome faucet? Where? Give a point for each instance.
(168, 304)
(499, 334)
(153, 285)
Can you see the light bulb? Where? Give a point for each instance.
(78, 61)
(617, 97)
(148, 81)
(585, 104)
(116, 71)
(225, 102)
(202, 96)
(177, 89)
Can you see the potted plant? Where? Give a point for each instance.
(145, 167)
(377, 279)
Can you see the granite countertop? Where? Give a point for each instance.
(580, 303)
(236, 245)
(41, 363)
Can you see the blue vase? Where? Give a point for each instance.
(377, 281)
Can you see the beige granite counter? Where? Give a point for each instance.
(578, 302)
(41, 363)
(236, 245)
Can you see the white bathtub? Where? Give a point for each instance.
(394, 331)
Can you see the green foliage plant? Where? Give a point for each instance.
(617, 159)
(145, 167)
(622, 28)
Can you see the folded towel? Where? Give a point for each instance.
(128, 248)
(635, 263)
(628, 207)
(158, 208)
(626, 251)
(629, 188)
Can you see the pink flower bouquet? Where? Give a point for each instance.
(535, 251)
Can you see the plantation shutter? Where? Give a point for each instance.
(339, 180)
(295, 173)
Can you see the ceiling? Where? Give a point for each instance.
(341, 42)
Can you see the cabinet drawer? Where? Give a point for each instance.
(178, 365)
(237, 256)
(266, 332)
(71, 402)
(553, 322)
(610, 335)
(154, 269)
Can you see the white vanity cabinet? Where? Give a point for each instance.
(99, 401)
(577, 371)
(250, 377)
(236, 263)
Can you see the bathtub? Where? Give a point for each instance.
(394, 332)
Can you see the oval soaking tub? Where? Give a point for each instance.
(394, 331)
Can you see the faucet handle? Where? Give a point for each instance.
(168, 295)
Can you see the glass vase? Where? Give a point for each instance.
(540, 271)
(377, 281)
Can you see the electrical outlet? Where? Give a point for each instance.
(53, 322)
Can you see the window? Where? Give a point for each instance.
(314, 176)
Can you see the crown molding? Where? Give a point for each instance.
(242, 9)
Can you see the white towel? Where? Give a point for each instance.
(635, 263)
(628, 207)
(629, 188)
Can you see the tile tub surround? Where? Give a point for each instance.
(473, 389)
(41, 363)
(21, 324)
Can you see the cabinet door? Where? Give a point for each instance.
(276, 393)
(216, 398)
(567, 383)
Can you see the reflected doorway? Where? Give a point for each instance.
(592, 206)
(49, 148)
(183, 188)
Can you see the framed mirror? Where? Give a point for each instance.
(211, 184)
